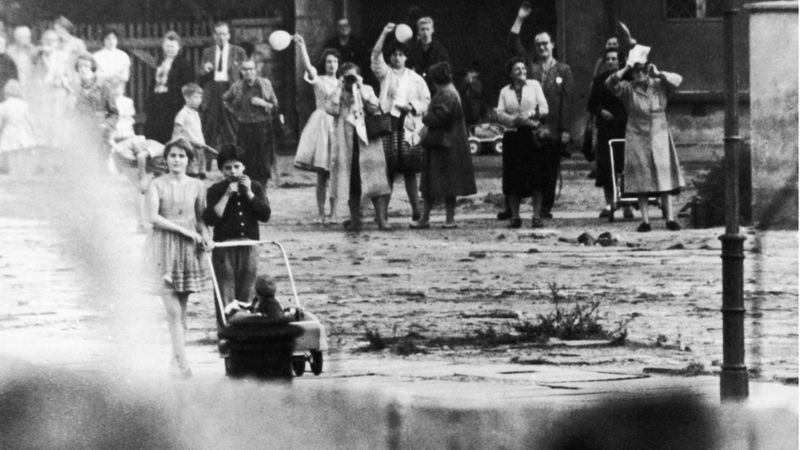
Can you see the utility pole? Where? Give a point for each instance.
(733, 379)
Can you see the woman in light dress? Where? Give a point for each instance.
(16, 128)
(314, 148)
(175, 203)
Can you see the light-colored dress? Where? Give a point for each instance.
(348, 127)
(176, 259)
(313, 150)
(16, 127)
(651, 161)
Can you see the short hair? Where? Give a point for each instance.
(611, 50)
(539, 33)
(347, 67)
(191, 89)
(86, 57)
(427, 20)
(66, 23)
(181, 143)
(328, 52)
(441, 73)
(220, 24)
(513, 61)
(107, 31)
(229, 152)
(265, 286)
(172, 36)
(395, 46)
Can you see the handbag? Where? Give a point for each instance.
(436, 139)
(378, 125)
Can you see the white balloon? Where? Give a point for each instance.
(279, 40)
(403, 33)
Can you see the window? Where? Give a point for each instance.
(693, 9)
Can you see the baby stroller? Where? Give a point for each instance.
(265, 347)
(618, 198)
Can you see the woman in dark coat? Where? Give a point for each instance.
(610, 120)
(447, 164)
(166, 100)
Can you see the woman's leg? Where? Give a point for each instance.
(643, 208)
(412, 190)
(449, 211)
(175, 304)
(379, 204)
(427, 207)
(669, 211)
(322, 183)
(354, 203)
(536, 202)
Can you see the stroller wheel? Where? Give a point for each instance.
(299, 366)
(316, 362)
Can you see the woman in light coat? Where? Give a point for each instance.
(651, 162)
(358, 166)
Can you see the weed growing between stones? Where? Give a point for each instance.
(578, 322)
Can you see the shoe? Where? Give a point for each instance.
(643, 227)
(415, 217)
(420, 226)
(504, 215)
(547, 215)
(673, 226)
(536, 222)
(592, 175)
(450, 226)
(515, 223)
(627, 212)
(605, 213)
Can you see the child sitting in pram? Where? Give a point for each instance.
(263, 304)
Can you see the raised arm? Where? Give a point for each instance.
(378, 65)
(670, 79)
(310, 69)
(614, 81)
(514, 41)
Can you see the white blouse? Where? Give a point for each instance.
(510, 108)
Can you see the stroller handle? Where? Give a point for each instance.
(248, 243)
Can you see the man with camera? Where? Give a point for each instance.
(234, 206)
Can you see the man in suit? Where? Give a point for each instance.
(219, 68)
(559, 87)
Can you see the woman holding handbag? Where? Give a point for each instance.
(520, 106)
(404, 95)
(446, 165)
(358, 165)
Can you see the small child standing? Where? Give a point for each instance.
(16, 129)
(122, 111)
(188, 126)
(234, 207)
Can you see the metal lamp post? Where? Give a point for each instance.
(733, 379)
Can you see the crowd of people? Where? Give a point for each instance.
(381, 112)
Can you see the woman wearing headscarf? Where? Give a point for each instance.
(173, 71)
(651, 161)
(447, 164)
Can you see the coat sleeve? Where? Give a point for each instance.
(567, 96)
(422, 97)
(212, 198)
(441, 111)
(260, 203)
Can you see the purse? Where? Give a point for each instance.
(436, 139)
(378, 125)
(587, 147)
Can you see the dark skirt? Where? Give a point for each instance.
(258, 142)
(161, 112)
(525, 163)
(401, 158)
(604, 134)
